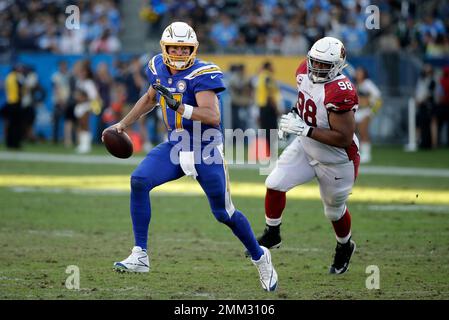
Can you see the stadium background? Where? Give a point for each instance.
(45, 198)
(411, 34)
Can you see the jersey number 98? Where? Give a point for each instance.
(307, 109)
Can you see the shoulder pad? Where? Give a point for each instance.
(340, 95)
(207, 69)
(152, 65)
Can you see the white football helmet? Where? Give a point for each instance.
(179, 34)
(329, 51)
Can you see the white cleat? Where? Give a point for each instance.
(268, 276)
(138, 261)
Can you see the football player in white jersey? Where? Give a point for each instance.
(326, 147)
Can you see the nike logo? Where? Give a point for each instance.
(205, 158)
(213, 77)
(347, 100)
(338, 178)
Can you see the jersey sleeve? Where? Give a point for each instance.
(302, 68)
(209, 81)
(340, 96)
(150, 70)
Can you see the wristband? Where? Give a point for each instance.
(309, 133)
(188, 110)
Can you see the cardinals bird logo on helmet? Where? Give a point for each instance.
(326, 59)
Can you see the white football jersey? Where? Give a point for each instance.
(315, 101)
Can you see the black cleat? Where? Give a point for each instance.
(271, 237)
(343, 253)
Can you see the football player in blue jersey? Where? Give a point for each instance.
(187, 90)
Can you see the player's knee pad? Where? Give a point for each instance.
(140, 184)
(273, 182)
(334, 213)
(334, 205)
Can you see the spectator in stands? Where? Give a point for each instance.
(32, 96)
(438, 47)
(72, 42)
(241, 93)
(224, 32)
(388, 42)
(369, 103)
(40, 25)
(103, 81)
(267, 99)
(425, 101)
(294, 43)
(115, 112)
(133, 79)
(70, 120)
(407, 34)
(87, 99)
(440, 116)
(61, 94)
(431, 27)
(49, 41)
(13, 109)
(251, 28)
(107, 43)
(354, 37)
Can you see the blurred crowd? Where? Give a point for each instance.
(432, 102)
(79, 94)
(36, 25)
(106, 93)
(289, 27)
(285, 27)
(256, 102)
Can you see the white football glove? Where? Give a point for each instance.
(292, 123)
(281, 134)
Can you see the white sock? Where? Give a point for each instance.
(273, 222)
(345, 239)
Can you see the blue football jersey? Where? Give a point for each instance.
(201, 76)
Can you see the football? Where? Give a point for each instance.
(118, 144)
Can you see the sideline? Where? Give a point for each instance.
(106, 159)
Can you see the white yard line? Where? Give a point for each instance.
(106, 159)
(387, 207)
(410, 207)
(102, 192)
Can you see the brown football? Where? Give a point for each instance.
(118, 144)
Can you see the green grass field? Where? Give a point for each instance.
(53, 215)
